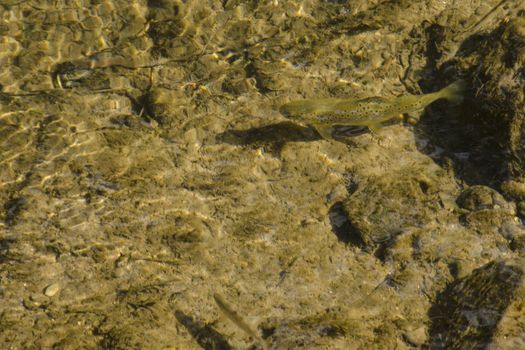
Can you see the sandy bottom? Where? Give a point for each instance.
(145, 167)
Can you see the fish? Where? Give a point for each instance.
(237, 319)
(325, 113)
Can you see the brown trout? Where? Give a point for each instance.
(323, 114)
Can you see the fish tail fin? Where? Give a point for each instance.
(455, 91)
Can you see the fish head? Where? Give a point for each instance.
(297, 111)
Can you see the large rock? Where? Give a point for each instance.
(495, 65)
(466, 314)
(382, 208)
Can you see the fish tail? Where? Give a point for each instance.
(455, 91)
(233, 316)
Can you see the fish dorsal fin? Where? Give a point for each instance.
(374, 99)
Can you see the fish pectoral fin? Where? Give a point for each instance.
(375, 127)
(324, 130)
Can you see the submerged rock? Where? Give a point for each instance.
(482, 197)
(497, 66)
(144, 156)
(466, 314)
(382, 208)
(411, 194)
(487, 211)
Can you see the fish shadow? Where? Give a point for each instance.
(205, 335)
(274, 136)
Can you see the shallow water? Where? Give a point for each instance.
(145, 167)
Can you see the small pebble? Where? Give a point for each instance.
(52, 289)
(416, 337)
(34, 301)
(119, 272)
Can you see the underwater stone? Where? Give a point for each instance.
(499, 99)
(52, 289)
(165, 105)
(514, 189)
(482, 197)
(488, 211)
(467, 312)
(489, 220)
(521, 209)
(416, 337)
(383, 208)
(518, 243)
